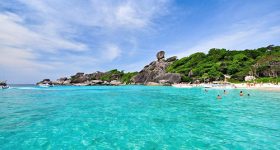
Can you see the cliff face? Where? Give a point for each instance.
(155, 72)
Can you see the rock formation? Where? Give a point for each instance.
(62, 81)
(156, 72)
(152, 74)
(160, 55)
(79, 78)
(45, 81)
(3, 83)
(82, 79)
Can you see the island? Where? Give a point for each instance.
(256, 65)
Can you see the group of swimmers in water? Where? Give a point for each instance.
(225, 92)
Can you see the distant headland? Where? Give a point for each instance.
(260, 65)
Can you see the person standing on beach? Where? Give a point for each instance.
(241, 93)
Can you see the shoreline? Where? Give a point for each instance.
(262, 89)
(264, 86)
(267, 89)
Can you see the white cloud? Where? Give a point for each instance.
(43, 37)
(15, 34)
(110, 14)
(21, 47)
(126, 15)
(11, 57)
(111, 52)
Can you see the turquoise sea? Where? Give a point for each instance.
(137, 117)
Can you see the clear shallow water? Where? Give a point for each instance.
(137, 117)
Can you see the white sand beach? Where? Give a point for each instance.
(264, 86)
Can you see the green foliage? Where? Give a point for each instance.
(118, 75)
(217, 62)
(112, 75)
(216, 54)
(268, 80)
(185, 64)
(214, 74)
(234, 80)
(126, 77)
(186, 79)
(105, 77)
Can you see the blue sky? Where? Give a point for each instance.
(51, 39)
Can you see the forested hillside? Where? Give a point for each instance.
(261, 62)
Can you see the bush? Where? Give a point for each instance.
(268, 80)
(186, 79)
(126, 77)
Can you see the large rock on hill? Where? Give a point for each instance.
(96, 76)
(45, 81)
(156, 72)
(160, 55)
(79, 78)
(62, 81)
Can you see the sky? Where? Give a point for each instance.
(51, 39)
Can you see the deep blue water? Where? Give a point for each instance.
(137, 117)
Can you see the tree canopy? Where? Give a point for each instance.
(220, 62)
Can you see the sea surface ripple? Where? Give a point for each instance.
(137, 117)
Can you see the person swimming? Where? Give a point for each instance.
(241, 93)
(206, 90)
(219, 97)
(248, 94)
(225, 92)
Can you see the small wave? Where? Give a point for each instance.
(36, 88)
(25, 88)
